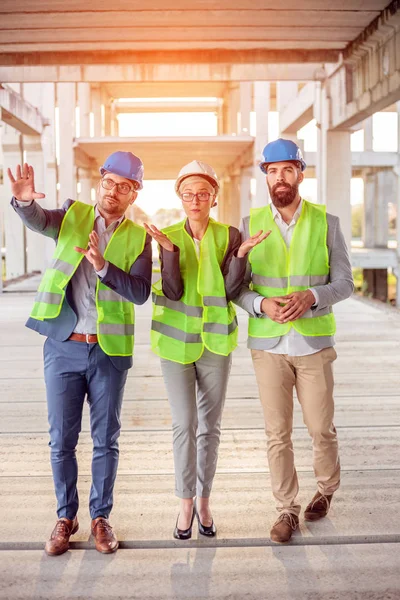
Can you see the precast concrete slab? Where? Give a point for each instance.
(145, 452)
(353, 553)
(243, 507)
(154, 415)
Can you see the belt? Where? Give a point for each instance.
(89, 338)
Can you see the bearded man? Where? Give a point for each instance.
(293, 278)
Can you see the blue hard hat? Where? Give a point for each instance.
(125, 164)
(281, 150)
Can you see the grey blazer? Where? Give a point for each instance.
(339, 288)
(135, 285)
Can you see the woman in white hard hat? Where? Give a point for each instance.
(194, 331)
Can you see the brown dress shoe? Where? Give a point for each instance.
(318, 507)
(106, 542)
(59, 539)
(283, 528)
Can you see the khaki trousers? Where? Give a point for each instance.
(312, 376)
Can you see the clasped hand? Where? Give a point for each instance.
(283, 309)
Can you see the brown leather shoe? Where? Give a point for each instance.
(283, 528)
(318, 507)
(59, 539)
(106, 542)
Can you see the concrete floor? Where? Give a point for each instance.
(352, 554)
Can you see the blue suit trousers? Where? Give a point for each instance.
(73, 371)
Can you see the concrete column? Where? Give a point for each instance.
(261, 108)
(114, 121)
(3, 203)
(229, 201)
(246, 102)
(85, 180)
(337, 178)
(96, 110)
(15, 237)
(370, 193)
(397, 173)
(235, 203)
(245, 193)
(232, 108)
(334, 169)
(35, 243)
(40, 153)
(67, 171)
(386, 190)
(285, 92)
(106, 102)
(368, 134)
(84, 109)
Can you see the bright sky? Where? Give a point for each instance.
(161, 194)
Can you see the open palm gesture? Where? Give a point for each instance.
(23, 184)
(252, 241)
(159, 236)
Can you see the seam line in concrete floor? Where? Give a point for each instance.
(166, 430)
(216, 543)
(379, 469)
(374, 395)
(164, 399)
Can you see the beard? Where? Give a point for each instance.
(283, 197)
(109, 207)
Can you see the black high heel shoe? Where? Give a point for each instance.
(184, 534)
(210, 531)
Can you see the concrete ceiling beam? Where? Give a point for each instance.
(111, 19)
(20, 114)
(190, 57)
(188, 72)
(61, 6)
(299, 111)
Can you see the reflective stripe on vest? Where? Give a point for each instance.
(203, 317)
(277, 270)
(116, 317)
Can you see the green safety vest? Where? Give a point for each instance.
(115, 314)
(203, 318)
(277, 270)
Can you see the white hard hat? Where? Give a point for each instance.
(197, 167)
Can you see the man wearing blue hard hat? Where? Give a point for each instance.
(293, 278)
(84, 306)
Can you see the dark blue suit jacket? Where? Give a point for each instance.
(135, 285)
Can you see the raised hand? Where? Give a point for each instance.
(160, 237)
(92, 253)
(23, 184)
(252, 241)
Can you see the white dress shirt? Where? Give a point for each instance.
(293, 343)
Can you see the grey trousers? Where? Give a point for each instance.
(196, 393)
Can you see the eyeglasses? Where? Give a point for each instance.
(201, 196)
(122, 188)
